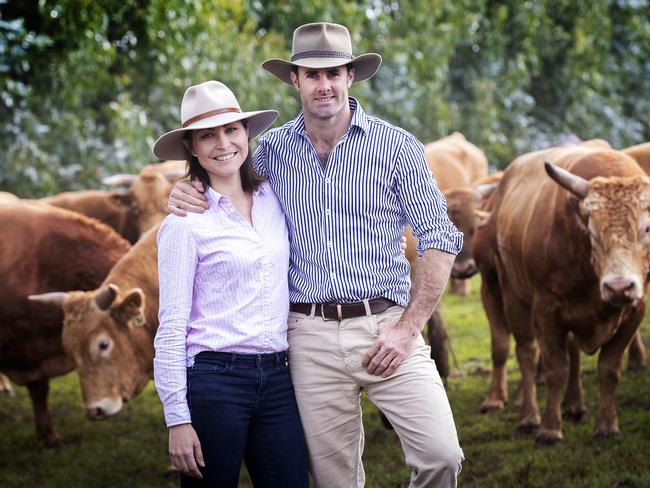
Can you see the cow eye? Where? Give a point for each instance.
(644, 231)
(104, 344)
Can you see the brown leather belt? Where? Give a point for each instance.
(340, 311)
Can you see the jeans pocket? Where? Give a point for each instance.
(295, 320)
(388, 318)
(217, 367)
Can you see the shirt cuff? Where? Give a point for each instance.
(451, 242)
(176, 414)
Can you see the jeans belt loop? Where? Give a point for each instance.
(366, 305)
(339, 315)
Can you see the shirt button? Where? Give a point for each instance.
(327, 180)
(327, 212)
(333, 275)
(329, 244)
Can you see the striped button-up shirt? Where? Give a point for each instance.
(345, 220)
(223, 287)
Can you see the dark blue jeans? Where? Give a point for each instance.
(243, 407)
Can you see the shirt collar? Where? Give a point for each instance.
(214, 197)
(359, 118)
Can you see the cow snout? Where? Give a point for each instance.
(464, 269)
(103, 408)
(620, 290)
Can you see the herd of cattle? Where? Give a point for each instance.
(561, 239)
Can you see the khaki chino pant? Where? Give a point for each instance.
(325, 361)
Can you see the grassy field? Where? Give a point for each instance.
(130, 449)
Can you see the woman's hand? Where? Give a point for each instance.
(185, 450)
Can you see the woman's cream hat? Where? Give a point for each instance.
(207, 105)
(323, 45)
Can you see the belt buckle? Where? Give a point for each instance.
(339, 312)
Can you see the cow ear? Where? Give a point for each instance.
(130, 311)
(481, 217)
(121, 199)
(55, 298)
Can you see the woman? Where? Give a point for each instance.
(221, 367)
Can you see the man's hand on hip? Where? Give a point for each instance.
(389, 350)
(187, 196)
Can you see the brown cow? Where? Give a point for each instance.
(109, 332)
(564, 264)
(100, 205)
(45, 249)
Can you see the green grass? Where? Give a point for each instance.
(131, 449)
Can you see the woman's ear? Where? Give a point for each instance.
(188, 145)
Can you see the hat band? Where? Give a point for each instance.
(211, 113)
(321, 54)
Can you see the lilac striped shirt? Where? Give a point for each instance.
(223, 287)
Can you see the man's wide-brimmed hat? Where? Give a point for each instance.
(208, 105)
(323, 45)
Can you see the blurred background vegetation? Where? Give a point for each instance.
(87, 85)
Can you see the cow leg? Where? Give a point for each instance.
(527, 351)
(459, 287)
(573, 407)
(5, 385)
(38, 391)
(609, 374)
(497, 395)
(556, 369)
(439, 342)
(637, 354)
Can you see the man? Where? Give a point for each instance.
(349, 183)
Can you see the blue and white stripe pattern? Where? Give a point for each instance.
(345, 220)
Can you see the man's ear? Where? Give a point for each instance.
(294, 79)
(350, 76)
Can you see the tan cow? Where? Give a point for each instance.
(109, 332)
(637, 355)
(146, 197)
(459, 165)
(565, 263)
(641, 154)
(456, 162)
(45, 249)
(6, 197)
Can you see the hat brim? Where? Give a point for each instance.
(365, 66)
(170, 145)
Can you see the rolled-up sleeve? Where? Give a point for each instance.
(260, 159)
(422, 201)
(177, 261)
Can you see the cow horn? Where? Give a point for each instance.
(106, 296)
(485, 190)
(123, 179)
(574, 183)
(53, 298)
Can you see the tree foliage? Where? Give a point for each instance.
(86, 86)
